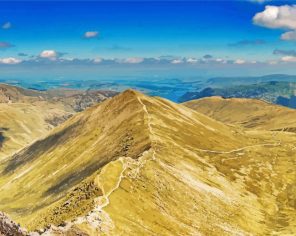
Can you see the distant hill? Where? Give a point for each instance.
(71, 99)
(288, 102)
(281, 93)
(248, 113)
(138, 165)
(170, 88)
(218, 82)
(26, 115)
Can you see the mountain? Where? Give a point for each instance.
(248, 80)
(170, 88)
(288, 102)
(26, 114)
(139, 165)
(71, 99)
(22, 123)
(274, 92)
(248, 113)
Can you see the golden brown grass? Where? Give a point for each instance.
(154, 168)
(249, 113)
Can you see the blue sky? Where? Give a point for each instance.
(137, 38)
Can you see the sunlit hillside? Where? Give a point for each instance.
(137, 165)
(248, 113)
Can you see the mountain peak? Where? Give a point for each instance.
(129, 93)
(134, 158)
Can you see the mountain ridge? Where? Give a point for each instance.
(168, 170)
(246, 112)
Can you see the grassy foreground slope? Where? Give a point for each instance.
(135, 165)
(249, 113)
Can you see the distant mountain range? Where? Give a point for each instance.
(244, 80)
(177, 89)
(282, 93)
(168, 88)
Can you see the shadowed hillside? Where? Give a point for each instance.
(22, 123)
(136, 165)
(26, 115)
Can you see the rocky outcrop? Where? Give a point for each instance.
(10, 228)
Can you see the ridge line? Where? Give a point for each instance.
(151, 132)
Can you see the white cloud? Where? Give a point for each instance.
(10, 61)
(289, 59)
(277, 17)
(91, 34)
(97, 60)
(50, 54)
(134, 60)
(6, 25)
(219, 60)
(192, 60)
(177, 61)
(272, 62)
(289, 36)
(260, 1)
(239, 61)
(53, 57)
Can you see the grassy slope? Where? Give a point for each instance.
(70, 154)
(187, 190)
(146, 166)
(22, 123)
(26, 115)
(249, 113)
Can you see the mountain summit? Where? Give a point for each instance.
(139, 165)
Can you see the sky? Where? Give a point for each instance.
(87, 40)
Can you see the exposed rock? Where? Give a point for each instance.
(10, 228)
